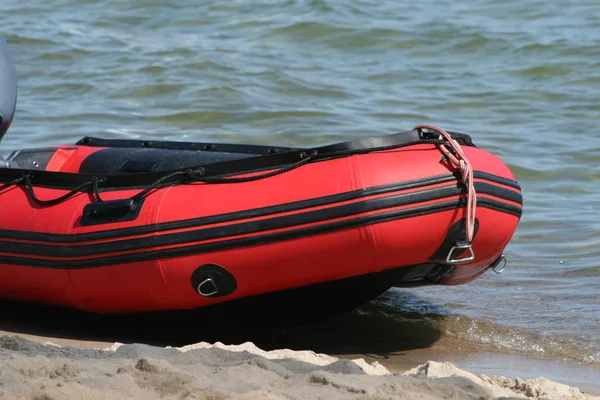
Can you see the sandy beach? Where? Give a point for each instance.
(53, 354)
(520, 77)
(44, 370)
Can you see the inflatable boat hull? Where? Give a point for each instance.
(129, 236)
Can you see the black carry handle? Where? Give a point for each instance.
(104, 212)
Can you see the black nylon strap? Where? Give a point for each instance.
(396, 139)
(239, 166)
(193, 146)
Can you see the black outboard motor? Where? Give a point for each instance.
(8, 87)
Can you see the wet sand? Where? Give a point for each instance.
(399, 360)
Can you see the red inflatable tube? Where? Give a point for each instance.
(131, 226)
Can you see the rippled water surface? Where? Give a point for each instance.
(522, 77)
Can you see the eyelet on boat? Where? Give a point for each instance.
(495, 268)
(460, 246)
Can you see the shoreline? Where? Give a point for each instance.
(346, 338)
(102, 369)
(586, 378)
(479, 362)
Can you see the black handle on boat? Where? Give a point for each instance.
(8, 87)
(104, 212)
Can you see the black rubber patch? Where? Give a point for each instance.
(456, 233)
(110, 211)
(212, 280)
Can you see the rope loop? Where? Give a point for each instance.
(454, 153)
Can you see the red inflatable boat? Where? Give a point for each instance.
(124, 226)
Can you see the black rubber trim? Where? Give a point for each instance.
(234, 167)
(360, 221)
(227, 217)
(220, 232)
(253, 213)
(374, 141)
(247, 227)
(500, 207)
(498, 191)
(243, 228)
(192, 146)
(496, 179)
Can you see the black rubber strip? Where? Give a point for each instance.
(245, 228)
(496, 179)
(240, 215)
(245, 148)
(243, 165)
(226, 217)
(189, 146)
(220, 232)
(364, 220)
(498, 191)
(239, 166)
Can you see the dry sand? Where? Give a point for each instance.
(48, 354)
(31, 369)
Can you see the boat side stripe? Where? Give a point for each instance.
(226, 217)
(250, 227)
(273, 237)
(496, 179)
(246, 214)
(235, 229)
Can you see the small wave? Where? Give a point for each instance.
(150, 69)
(296, 87)
(17, 40)
(473, 42)
(587, 272)
(192, 117)
(307, 30)
(480, 335)
(65, 88)
(153, 90)
(63, 55)
(544, 71)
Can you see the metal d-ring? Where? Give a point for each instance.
(460, 246)
(211, 282)
(494, 267)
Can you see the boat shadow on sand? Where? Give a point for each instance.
(371, 329)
